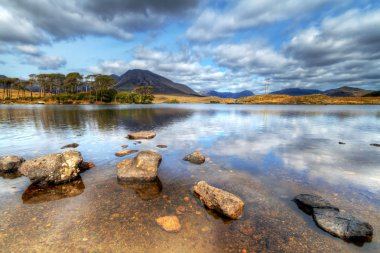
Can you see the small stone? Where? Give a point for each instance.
(141, 135)
(186, 199)
(341, 143)
(196, 157)
(121, 153)
(86, 166)
(124, 146)
(169, 223)
(180, 210)
(72, 145)
(243, 251)
(205, 229)
(161, 146)
(375, 144)
(115, 215)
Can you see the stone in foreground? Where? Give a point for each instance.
(343, 225)
(54, 168)
(219, 200)
(125, 152)
(169, 223)
(10, 164)
(72, 145)
(141, 135)
(195, 157)
(143, 167)
(307, 202)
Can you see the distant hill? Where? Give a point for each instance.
(373, 94)
(213, 93)
(297, 92)
(346, 91)
(161, 85)
(2, 76)
(115, 77)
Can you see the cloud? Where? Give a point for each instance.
(46, 62)
(28, 49)
(214, 24)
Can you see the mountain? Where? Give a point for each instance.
(346, 91)
(2, 76)
(297, 92)
(115, 77)
(161, 85)
(213, 93)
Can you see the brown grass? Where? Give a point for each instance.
(15, 94)
(163, 98)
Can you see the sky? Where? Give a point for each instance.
(208, 45)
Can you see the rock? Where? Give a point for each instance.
(54, 168)
(342, 225)
(169, 223)
(86, 166)
(125, 152)
(35, 193)
(180, 210)
(219, 200)
(306, 202)
(145, 190)
(375, 144)
(142, 167)
(137, 142)
(72, 145)
(141, 135)
(10, 164)
(195, 157)
(161, 146)
(341, 143)
(124, 146)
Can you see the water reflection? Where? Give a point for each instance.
(145, 190)
(36, 194)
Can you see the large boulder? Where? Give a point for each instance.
(307, 202)
(54, 168)
(343, 225)
(142, 167)
(195, 157)
(219, 200)
(141, 135)
(10, 164)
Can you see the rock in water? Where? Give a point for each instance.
(54, 168)
(221, 201)
(10, 164)
(341, 143)
(375, 144)
(83, 166)
(342, 225)
(143, 167)
(307, 202)
(141, 135)
(169, 223)
(125, 152)
(72, 145)
(161, 146)
(145, 190)
(195, 157)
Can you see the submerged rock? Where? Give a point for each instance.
(125, 152)
(332, 220)
(161, 146)
(219, 200)
(54, 168)
(375, 144)
(169, 223)
(307, 202)
(343, 225)
(10, 164)
(83, 166)
(72, 145)
(35, 193)
(124, 146)
(145, 190)
(141, 135)
(143, 167)
(195, 157)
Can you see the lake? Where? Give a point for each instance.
(266, 154)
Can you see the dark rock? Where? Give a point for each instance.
(161, 146)
(145, 190)
(141, 135)
(343, 225)
(307, 202)
(72, 145)
(375, 144)
(195, 157)
(137, 142)
(124, 146)
(83, 166)
(219, 200)
(124, 152)
(35, 193)
(10, 164)
(142, 167)
(342, 143)
(54, 168)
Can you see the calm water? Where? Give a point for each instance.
(264, 154)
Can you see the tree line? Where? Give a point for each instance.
(73, 86)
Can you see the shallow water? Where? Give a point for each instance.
(264, 154)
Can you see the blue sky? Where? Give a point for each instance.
(221, 45)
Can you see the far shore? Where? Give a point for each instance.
(257, 99)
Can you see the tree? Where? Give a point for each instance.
(72, 81)
(7, 84)
(102, 83)
(145, 93)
